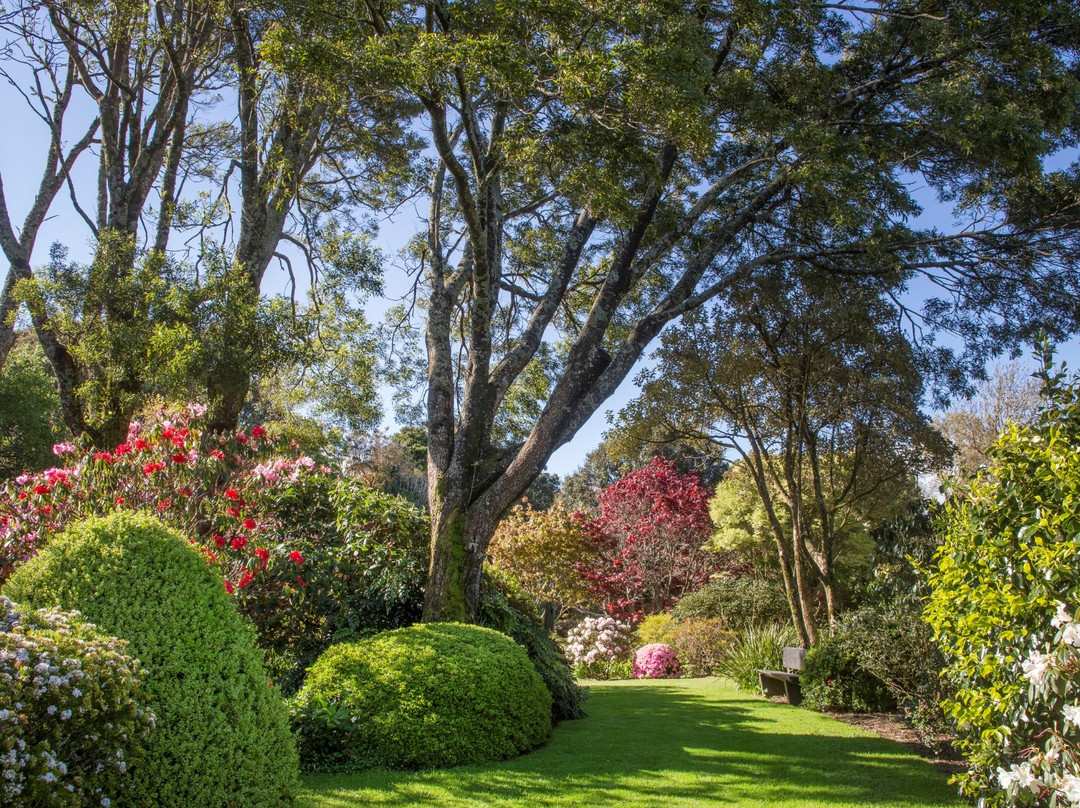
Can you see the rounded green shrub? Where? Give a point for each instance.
(427, 696)
(71, 714)
(222, 736)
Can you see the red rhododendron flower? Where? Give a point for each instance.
(232, 493)
(185, 491)
(262, 553)
(296, 557)
(301, 581)
(140, 445)
(241, 437)
(246, 579)
(249, 524)
(219, 540)
(123, 449)
(233, 512)
(217, 453)
(108, 458)
(258, 432)
(41, 489)
(151, 467)
(179, 457)
(238, 543)
(164, 504)
(45, 509)
(229, 588)
(119, 500)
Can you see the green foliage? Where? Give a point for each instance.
(222, 734)
(757, 648)
(833, 676)
(904, 549)
(654, 628)
(30, 419)
(509, 610)
(736, 601)
(72, 722)
(366, 550)
(702, 645)
(1005, 592)
(543, 551)
(431, 695)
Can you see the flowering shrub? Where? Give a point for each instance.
(1005, 604)
(215, 489)
(70, 716)
(656, 661)
(597, 645)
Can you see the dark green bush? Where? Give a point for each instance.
(365, 557)
(431, 695)
(71, 711)
(222, 736)
(736, 602)
(509, 610)
(834, 677)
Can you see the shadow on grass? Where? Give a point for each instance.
(664, 745)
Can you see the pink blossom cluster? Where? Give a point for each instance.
(217, 489)
(656, 661)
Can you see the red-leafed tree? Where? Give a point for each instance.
(652, 526)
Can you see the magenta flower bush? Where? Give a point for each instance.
(656, 661)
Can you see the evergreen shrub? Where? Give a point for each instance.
(428, 696)
(222, 736)
(507, 609)
(833, 676)
(736, 601)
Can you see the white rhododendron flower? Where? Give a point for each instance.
(1037, 667)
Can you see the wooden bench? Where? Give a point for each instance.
(786, 682)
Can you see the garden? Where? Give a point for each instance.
(308, 495)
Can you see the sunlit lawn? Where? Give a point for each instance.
(697, 742)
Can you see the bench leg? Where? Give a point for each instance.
(771, 686)
(793, 693)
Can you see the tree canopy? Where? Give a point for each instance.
(594, 170)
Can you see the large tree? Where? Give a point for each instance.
(810, 381)
(599, 168)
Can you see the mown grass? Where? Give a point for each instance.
(696, 742)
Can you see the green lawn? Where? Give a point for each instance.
(697, 742)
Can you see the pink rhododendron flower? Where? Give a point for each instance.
(63, 448)
(656, 661)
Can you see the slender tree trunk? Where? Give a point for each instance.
(7, 309)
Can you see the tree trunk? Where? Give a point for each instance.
(459, 539)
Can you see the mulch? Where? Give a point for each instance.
(937, 750)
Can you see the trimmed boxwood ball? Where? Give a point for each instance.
(427, 696)
(222, 738)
